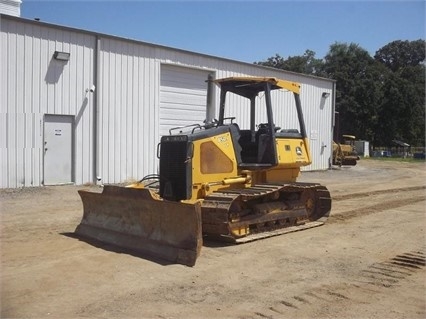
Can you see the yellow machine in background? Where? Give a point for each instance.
(217, 180)
(345, 154)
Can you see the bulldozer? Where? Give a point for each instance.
(345, 154)
(216, 181)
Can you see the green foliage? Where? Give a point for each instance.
(378, 98)
(358, 91)
(400, 54)
(306, 64)
(404, 92)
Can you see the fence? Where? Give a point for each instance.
(399, 151)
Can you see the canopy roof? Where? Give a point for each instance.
(350, 137)
(249, 86)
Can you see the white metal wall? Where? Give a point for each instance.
(11, 7)
(33, 84)
(128, 113)
(128, 100)
(166, 64)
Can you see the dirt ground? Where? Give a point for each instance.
(367, 261)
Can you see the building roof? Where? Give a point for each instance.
(46, 24)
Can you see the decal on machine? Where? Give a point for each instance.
(222, 139)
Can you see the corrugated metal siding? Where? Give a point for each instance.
(35, 84)
(11, 7)
(128, 95)
(128, 110)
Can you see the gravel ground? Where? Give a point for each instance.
(367, 261)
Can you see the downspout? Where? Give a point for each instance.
(333, 124)
(96, 65)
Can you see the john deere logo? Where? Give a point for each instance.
(298, 151)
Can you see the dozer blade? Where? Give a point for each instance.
(132, 218)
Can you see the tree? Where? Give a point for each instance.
(402, 111)
(400, 54)
(359, 82)
(378, 99)
(306, 64)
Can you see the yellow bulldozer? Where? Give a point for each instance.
(345, 153)
(216, 181)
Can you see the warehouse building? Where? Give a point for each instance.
(79, 106)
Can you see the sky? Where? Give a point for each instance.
(243, 30)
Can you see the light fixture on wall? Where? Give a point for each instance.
(325, 95)
(62, 56)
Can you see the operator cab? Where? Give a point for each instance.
(255, 135)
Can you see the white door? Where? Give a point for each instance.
(58, 139)
(183, 97)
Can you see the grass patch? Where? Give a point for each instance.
(394, 159)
